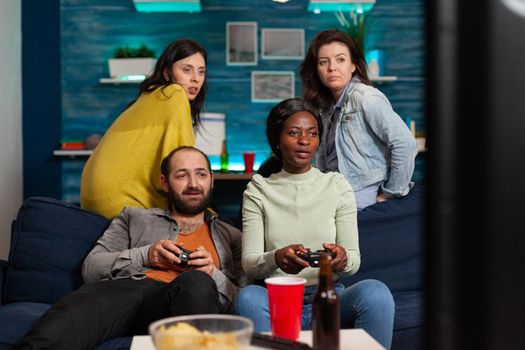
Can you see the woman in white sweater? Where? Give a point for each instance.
(298, 208)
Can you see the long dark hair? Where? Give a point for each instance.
(278, 115)
(314, 92)
(174, 52)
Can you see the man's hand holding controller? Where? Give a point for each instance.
(168, 255)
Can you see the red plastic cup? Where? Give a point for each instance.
(285, 295)
(249, 158)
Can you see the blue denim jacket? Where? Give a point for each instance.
(373, 144)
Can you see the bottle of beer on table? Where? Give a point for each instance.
(326, 321)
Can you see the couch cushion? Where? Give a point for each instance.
(49, 242)
(410, 310)
(411, 339)
(3, 271)
(16, 320)
(391, 242)
(122, 343)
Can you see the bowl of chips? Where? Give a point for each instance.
(199, 332)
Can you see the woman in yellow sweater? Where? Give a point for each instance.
(123, 170)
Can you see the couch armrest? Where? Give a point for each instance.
(49, 241)
(3, 272)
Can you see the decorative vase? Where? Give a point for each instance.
(380, 60)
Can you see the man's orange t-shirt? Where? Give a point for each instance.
(190, 241)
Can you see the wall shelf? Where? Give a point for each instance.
(384, 79)
(72, 152)
(118, 81)
(233, 176)
(229, 176)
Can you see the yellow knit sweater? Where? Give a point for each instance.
(124, 169)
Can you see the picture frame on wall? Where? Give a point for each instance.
(241, 43)
(272, 86)
(282, 43)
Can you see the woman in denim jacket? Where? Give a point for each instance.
(364, 139)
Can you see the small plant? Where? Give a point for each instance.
(356, 25)
(128, 52)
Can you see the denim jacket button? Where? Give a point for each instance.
(347, 117)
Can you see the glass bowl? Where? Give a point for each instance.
(199, 332)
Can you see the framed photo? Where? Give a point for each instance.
(282, 44)
(241, 43)
(272, 86)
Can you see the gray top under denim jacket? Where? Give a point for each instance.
(122, 251)
(373, 144)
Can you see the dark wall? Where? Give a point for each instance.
(476, 238)
(41, 126)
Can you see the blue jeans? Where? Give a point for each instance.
(367, 304)
(366, 196)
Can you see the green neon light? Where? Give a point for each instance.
(336, 7)
(232, 166)
(131, 77)
(165, 6)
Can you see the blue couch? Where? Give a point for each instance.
(50, 239)
(392, 246)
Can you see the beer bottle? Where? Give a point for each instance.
(224, 157)
(326, 321)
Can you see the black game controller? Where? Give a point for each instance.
(312, 258)
(184, 256)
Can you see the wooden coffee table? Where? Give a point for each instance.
(351, 339)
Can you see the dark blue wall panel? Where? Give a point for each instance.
(41, 127)
(91, 29)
